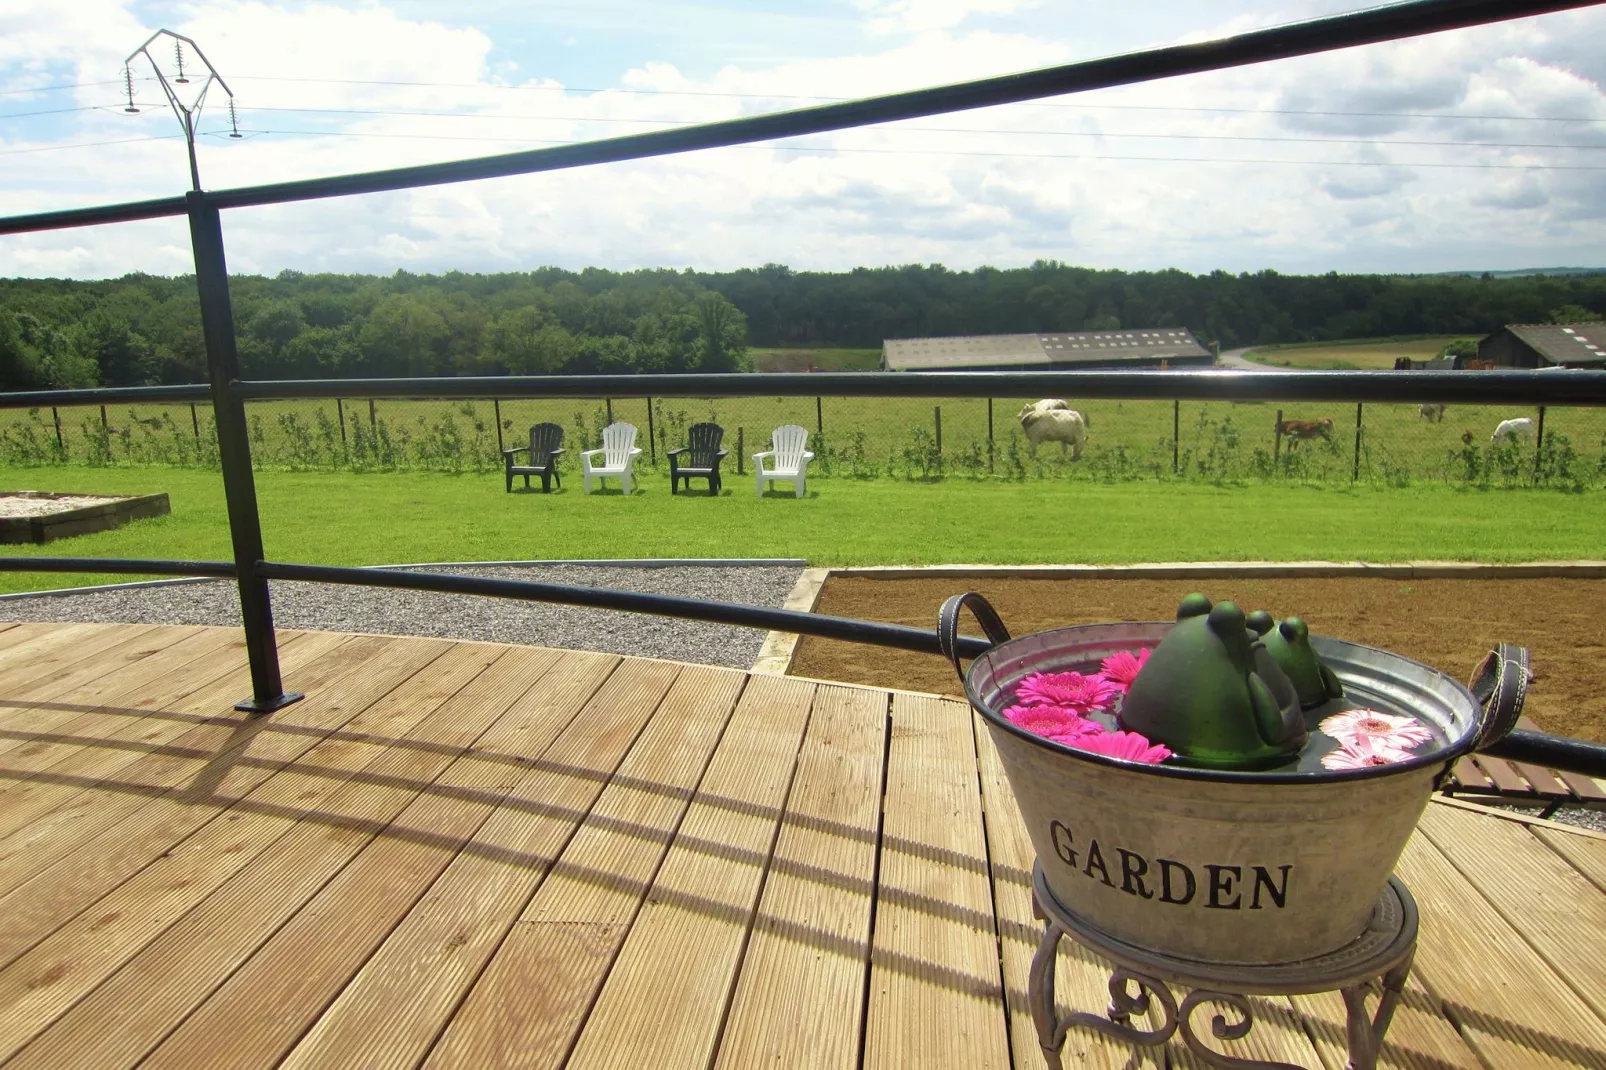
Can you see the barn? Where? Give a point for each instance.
(1546, 345)
(1173, 347)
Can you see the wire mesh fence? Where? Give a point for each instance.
(866, 438)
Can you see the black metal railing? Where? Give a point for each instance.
(227, 393)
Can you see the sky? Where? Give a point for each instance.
(1481, 149)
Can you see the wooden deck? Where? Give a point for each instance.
(468, 855)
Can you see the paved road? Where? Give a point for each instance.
(1234, 358)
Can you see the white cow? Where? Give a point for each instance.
(1052, 420)
(1431, 412)
(1512, 430)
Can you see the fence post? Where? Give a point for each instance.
(373, 425)
(741, 452)
(340, 414)
(652, 441)
(195, 422)
(1355, 469)
(105, 427)
(234, 451)
(1539, 443)
(936, 413)
(496, 407)
(609, 403)
(1277, 439)
(1176, 431)
(61, 446)
(819, 417)
(989, 436)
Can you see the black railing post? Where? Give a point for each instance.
(234, 451)
(652, 441)
(1176, 432)
(1355, 469)
(1539, 444)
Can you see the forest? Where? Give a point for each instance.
(146, 329)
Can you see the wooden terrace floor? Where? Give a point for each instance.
(470, 855)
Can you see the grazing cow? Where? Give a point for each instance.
(1432, 413)
(1511, 430)
(1051, 420)
(1297, 431)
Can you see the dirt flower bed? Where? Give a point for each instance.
(1448, 624)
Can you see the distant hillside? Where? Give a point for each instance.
(1525, 272)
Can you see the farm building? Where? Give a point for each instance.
(1546, 345)
(1174, 346)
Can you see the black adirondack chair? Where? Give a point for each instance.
(701, 458)
(546, 442)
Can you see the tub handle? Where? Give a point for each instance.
(1500, 684)
(948, 625)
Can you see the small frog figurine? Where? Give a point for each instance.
(1213, 694)
(1289, 645)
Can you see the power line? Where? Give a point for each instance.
(828, 150)
(87, 145)
(53, 111)
(948, 129)
(56, 88)
(1036, 104)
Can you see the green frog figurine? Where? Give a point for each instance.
(1213, 693)
(1289, 645)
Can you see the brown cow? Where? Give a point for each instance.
(1297, 431)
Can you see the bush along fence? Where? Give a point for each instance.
(864, 438)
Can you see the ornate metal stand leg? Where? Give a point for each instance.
(1365, 1032)
(1221, 1029)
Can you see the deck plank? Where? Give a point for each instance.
(43, 983)
(665, 998)
(47, 655)
(1550, 923)
(1585, 853)
(1419, 1038)
(393, 1011)
(528, 1005)
(936, 997)
(115, 652)
(800, 997)
(174, 974)
(1507, 1002)
(306, 964)
(1081, 980)
(68, 867)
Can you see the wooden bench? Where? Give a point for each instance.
(1480, 778)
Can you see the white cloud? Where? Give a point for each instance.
(1135, 178)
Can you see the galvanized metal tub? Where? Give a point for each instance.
(1223, 866)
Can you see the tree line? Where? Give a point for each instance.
(144, 329)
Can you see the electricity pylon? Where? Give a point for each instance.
(186, 103)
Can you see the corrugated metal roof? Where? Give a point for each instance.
(1564, 343)
(913, 354)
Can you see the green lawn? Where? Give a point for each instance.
(798, 359)
(1351, 355)
(347, 519)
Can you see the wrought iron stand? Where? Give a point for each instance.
(1383, 951)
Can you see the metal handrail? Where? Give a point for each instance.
(1551, 388)
(1328, 34)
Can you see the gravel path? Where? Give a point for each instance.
(339, 608)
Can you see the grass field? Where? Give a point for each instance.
(1342, 356)
(798, 359)
(858, 437)
(360, 519)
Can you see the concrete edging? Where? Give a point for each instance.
(775, 656)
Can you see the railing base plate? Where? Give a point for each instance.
(279, 702)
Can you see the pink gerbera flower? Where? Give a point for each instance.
(1128, 745)
(1052, 722)
(1399, 732)
(1122, 668)
(1068, 690)
(1365, 752)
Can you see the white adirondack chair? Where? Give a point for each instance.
(619, 451)
(788, 459)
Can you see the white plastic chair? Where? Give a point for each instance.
(788, 459)
(618, 452)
